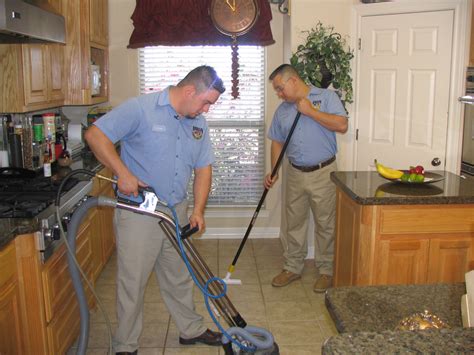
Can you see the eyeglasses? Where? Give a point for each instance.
(281, 87)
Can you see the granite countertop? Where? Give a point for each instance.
(367, 316)
(369, 188)
(443, 341)
(11, 227)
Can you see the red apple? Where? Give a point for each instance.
(419, 170)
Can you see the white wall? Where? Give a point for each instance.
(286, 29)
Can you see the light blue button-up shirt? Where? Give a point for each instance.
(157, 146)
(311, 143)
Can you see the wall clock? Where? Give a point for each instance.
(234, 18)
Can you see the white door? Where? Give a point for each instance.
(403, 84)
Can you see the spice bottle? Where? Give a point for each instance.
(47, 160)
(14, 140)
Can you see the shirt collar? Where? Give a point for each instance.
(315, 91)
(164, 97)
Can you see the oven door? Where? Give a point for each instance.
(468, 138)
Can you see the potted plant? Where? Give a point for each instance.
(324, 59)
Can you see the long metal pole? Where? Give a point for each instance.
(264, 194)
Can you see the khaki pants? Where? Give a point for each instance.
(307, 191)
(143, 247)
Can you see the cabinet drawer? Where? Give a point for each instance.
(7, 263)
(426, 219)
(57, 283)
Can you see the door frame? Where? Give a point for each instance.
(460, 60)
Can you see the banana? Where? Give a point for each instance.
(387, 172)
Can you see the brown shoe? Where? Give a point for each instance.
(322, 283)
(284, 278)
(208, 337)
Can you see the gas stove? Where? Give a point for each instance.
(27, 196)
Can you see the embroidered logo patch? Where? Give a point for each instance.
(317, 104)
(197, 132)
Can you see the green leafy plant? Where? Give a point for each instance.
(323, 60)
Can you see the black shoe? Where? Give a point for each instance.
(208, 337)
(127, 353)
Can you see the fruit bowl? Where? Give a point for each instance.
(430, 178)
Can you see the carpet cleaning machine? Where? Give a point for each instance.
(239, 338)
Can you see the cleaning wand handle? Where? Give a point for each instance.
(264, 194)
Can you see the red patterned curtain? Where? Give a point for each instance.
(187, 22)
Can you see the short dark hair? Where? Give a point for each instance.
(284, 69)
(203, 78)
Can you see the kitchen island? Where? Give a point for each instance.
(394, 233)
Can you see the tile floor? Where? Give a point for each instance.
(295, 315)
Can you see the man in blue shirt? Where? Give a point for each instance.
(163, 139)
(312, 156)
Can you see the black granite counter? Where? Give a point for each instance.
(369, 188)
(367, 316)
(11, 227)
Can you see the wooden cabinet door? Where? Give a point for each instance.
(56, 73)
(35, 73)
(401, 262)
(450, 258)
(99, 24)
(10, 317)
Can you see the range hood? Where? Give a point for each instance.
(22, 22)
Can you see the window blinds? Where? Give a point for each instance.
(236, 126)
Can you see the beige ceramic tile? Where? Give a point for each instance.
(301, 349)
(245, 293)
(290, 310)
(229, 247)
(190, 350)
(243, 263)
(99, 335)
(296, 332)
(270, 262)
(152, 293)
(292, 292)
(153, 335)
(155, 313)
(206, 247)
(252, 312)
(108, 276)
(267, 247)
(109, 307)
(106, 292)
(151, 351)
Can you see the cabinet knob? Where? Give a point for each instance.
(436, 162)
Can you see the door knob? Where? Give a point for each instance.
(436, 162)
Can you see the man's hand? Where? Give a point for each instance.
(129, 183)
(268, 182)
(305, 107)
(197, 219)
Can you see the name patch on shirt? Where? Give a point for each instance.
(317, 104)
(197, 132)
(158, 128)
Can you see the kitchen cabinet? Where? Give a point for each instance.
(103, 239)
(471, 55)
(86, 44)
(99, 31)
(43, 67)
(32, 77)
(386, 238)
(11, 339)
(49, 308)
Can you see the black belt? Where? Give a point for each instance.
(307, 169)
